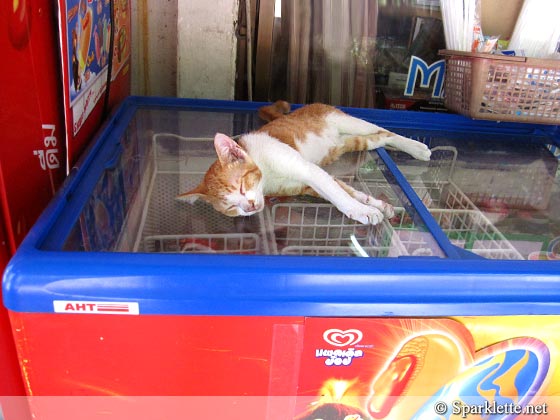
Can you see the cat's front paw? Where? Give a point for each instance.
(388, 210)
(365, 215)
(385, 207)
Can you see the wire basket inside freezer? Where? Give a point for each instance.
(517, 179)
(168, 225)
(431, 182)
(468, 229)
(301, 228)
(459, 218)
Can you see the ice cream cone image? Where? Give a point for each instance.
(85, 23)
(418, 369)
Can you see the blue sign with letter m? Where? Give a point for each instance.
(417, 65)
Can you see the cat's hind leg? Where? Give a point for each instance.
(414, 148)
(355, 131)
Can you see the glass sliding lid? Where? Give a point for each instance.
(492, 196)
(163, 152)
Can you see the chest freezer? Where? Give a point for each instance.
(451, 305)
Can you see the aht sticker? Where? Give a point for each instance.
(89, 307)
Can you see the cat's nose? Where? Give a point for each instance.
(252, 205)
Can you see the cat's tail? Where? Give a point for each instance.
(275, 110)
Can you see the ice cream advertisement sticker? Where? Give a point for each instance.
(344, 341)
(341, 338)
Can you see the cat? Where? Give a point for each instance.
(285, 158)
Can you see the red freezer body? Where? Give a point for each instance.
(279, 367)
(11, 383)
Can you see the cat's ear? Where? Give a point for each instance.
(228, 150)
(192, 195)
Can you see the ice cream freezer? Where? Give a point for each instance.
(448, 307)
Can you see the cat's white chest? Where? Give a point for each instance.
(281, 165)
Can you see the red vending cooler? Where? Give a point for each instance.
(32, 151)
(127, 303)
(35, 145)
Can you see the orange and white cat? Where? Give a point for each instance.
(285, 158)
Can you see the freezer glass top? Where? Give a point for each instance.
(476, 198)
(494, 195)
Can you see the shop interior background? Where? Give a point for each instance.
(335, 51)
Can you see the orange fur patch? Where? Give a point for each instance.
(296, 126)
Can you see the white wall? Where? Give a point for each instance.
(206, 50)
(184, 48)
(154, 47)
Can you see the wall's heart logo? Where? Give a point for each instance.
(341, 338)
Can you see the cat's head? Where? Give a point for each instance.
(232, 184)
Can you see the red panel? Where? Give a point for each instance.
(11, 383)
(156, 355)
(32, 143)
